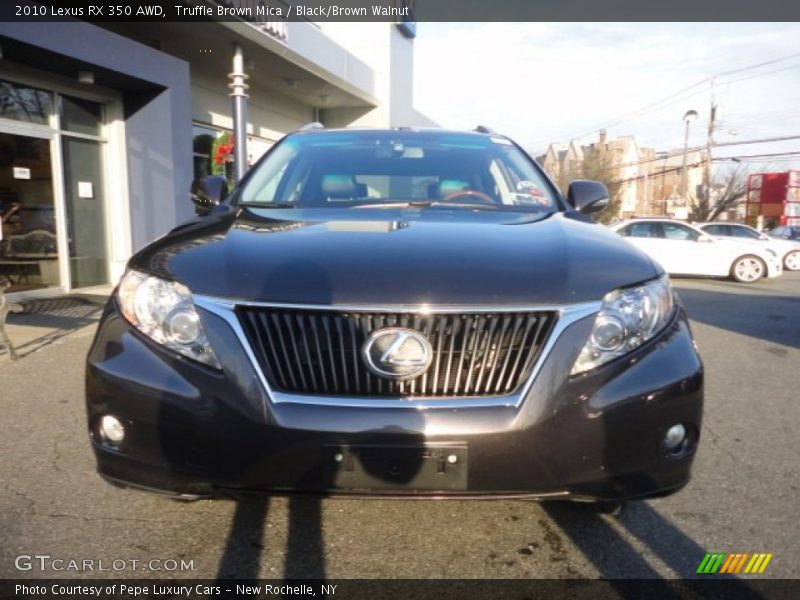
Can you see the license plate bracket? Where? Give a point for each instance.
(397, 467)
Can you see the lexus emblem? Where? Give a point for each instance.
(397, 353)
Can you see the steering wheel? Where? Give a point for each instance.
(471, 194)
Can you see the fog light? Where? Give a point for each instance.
(112, 430)
(675, 437)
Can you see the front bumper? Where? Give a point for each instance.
(774, 267)
(193, 430)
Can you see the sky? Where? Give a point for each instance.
(550, 82)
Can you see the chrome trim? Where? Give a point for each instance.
(567, 314)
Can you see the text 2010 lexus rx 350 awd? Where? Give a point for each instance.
(397, 312)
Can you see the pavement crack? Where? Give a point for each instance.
(715, 441)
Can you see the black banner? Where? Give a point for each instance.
(434, 589)
(409, 11)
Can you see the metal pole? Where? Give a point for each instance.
(239, 95)
(709, 143)
(683, 169)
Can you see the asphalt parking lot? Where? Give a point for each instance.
(743, 497)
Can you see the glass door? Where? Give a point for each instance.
(28, 238)
(82, 156)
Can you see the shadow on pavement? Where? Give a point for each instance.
(304, 557)
(774, 320)
(612, 555)
(57, 316)
(241, 558)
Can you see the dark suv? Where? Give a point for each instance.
(786, 232)
(399, 312)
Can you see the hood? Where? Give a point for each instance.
(394, 256)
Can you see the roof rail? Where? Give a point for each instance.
(484, 129)
(314, 125)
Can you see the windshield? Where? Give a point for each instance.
(387, 168)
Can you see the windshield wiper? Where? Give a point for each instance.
(427, 204)
(267, 205)
(396, 204)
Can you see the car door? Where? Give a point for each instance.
(647, 236)
(689, 252)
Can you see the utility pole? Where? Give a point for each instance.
(712, 116)
(688, 117)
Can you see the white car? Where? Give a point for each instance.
(685, 250)
(787, 250)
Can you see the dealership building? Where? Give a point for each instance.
(104, 127)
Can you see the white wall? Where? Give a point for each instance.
(391, 55)
(269, 115)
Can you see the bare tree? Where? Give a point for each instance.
(728, 188)
(597, 166)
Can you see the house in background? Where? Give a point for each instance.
(647, 182)
(103, 127)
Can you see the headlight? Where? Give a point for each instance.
(627, 319)
(164, 311)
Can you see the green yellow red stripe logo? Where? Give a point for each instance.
(734, 563)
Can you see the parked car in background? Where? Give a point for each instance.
(786, 232)
(787, 250)
(686, 250)
(405, 312)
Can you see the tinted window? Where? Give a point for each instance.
(715, 230)
(641, 230)
(745, 232)
(344, 169)
(673, 231)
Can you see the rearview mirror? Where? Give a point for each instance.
(588, 197)
(208, 192)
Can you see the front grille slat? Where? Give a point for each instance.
(487, 352)
(260, 327)
(498, 353)
(437, 358)
(318, 352)
(284, 350)
(509, 352)
(513, 373)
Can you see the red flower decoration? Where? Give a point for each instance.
(224, 153)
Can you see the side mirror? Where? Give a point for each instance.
(705, 238)
(588, 197)
(207, 193)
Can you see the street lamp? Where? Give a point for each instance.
(688, 117)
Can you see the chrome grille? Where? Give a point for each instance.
(318, 352)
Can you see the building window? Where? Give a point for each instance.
(203, 139)
(203, 146)
(25, 103)
(81, 116)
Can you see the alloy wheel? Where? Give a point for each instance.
(749, 269)
(792, 261)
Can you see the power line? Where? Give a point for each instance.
(678, 152)
(661, 103)
(759, 65)
(769, 155)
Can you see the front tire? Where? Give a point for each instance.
(791, 262)
(748, 269)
